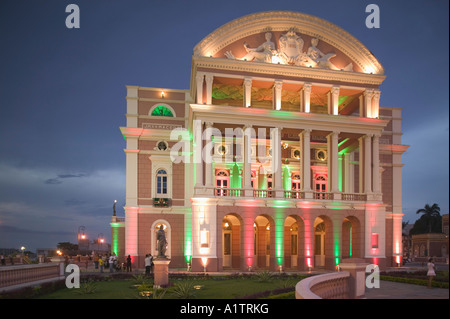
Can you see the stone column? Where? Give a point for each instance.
(247, 161)
(333, 101)
(199, 79)
(309, 241)
(306, 163)
(208, 157)
(209, 81)
(277, 94)
(247, 92)
(368, 94)
(348, 173)
(376, 164)
(333, 161)
(367, 164)
(275, 135)
(361, 164)
(307, 97)
(198, 145)
(376, 104)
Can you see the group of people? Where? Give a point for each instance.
(148, 262)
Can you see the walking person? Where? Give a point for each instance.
(96, 261)
(129, 263)
(111, 263)
(431, 271)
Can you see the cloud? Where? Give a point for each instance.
(71, 175)
(45, 215)
(53, 181)
(58, 180)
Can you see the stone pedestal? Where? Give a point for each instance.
(161, 272)
(357, 281)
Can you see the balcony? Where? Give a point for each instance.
(219, 192)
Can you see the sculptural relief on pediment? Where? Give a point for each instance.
(291, 50)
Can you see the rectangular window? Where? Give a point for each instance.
(158, 186)
(164, 187)
(374, 240)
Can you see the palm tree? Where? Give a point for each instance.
(430, 213)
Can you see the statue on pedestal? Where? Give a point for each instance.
(162, 242)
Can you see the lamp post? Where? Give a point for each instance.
(22, 249)
(100, 241)
(81, 238)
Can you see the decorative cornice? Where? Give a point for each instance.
(285, 119)
(287, 70)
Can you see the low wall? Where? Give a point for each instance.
(12, 277)
(349, 283)
(326, 286)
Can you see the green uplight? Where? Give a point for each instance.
(188, 237)
(279, 235)
(115, 239)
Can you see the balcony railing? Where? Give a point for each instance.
(323, 195)
(263, 193)
(354, 197)
(294, 194)
(228, 192)
(287, 194)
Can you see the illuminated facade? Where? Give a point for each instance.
(279, 155)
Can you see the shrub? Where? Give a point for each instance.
(415, 281)
(184, 290)
(88, 287)
(265, 276)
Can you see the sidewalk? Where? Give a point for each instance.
(397, 290)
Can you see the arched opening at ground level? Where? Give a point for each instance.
(264, 239)
(294, 242)
(324, 254)
(231, 241)
(352, 238)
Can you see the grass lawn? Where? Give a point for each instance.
(212, 288)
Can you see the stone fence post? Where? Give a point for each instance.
(357, 281)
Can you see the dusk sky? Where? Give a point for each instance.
(62, 97)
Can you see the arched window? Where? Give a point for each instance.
(162, 110)
(161, 183)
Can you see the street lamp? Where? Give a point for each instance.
(22, 249)
(100, 241)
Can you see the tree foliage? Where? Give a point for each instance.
(429, 222)
(68, 248)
